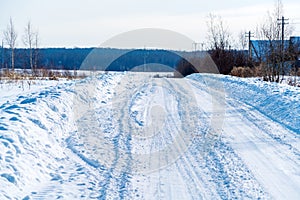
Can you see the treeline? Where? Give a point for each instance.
(213, 61)
(72, 59)
(47, 58)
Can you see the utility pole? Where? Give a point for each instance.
(282, 23)
(195, 45)
(202, 46)
(249, 35)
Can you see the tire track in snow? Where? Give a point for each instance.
(183, 165)
(274, 160)
(266, 138)
(119, 175)
(275, 131)
(224, 173)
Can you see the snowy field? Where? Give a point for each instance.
(132, 136)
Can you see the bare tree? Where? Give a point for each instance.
(220, 43)
(10, 36)
(36, 43)
(28, 40)
(242, 40)
(243, 56)
(218, 34)
(270, 48)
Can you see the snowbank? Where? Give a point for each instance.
(35, 122)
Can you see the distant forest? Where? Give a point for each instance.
(48, 58)
(105, 59)
(72, 59)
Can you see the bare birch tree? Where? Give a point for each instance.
(28, 40)
(10, 36)
(36, 43)
(31, 41)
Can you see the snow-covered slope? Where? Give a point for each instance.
(131, 136)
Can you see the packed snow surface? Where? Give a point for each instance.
(132, 136)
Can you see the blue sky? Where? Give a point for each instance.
(85, 23)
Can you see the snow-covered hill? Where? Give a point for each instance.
(131, 136)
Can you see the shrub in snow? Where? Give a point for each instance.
(242, 72)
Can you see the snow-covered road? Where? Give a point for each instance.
(132, 136)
